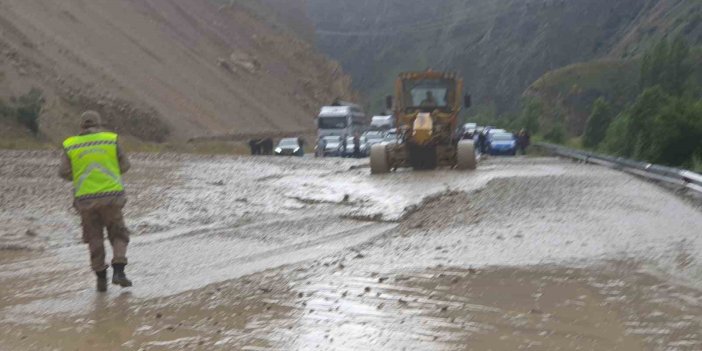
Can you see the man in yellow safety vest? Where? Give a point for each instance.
(94, 162)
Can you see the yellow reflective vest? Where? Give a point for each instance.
(95, 164)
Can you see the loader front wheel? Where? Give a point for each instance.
(379, 159)
(465, 155)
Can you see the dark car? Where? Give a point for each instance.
(501, 144)
(289, 147)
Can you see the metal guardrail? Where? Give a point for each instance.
(676, 176)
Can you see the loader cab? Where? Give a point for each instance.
(427, 92)
(427, 105)
(429, 95)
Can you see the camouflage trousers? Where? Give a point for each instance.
(94, 222)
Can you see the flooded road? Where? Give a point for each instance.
(301, 254)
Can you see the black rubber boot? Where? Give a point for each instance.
(101, 281)
(118, 276)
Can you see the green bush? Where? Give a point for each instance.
(615, 141)
(597, 123)
(658, 128)
(557, 134)
(664, 125)
(6, 111)
(678, 128)
(529, 120)
(29, 108)
(697, 163)
(642, 130)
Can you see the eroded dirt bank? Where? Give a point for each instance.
(252, 254)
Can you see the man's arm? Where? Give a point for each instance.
(65, 171)
(124, 164)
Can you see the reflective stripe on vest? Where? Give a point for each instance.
(94, 164)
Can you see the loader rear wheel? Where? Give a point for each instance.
(465, 155)
(379, 159)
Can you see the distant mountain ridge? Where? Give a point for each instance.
(500, 46)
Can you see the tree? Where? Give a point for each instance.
(667, 65)
(678, 127)
(678, 69)
(533, 110)
(597, 123)
(641, 129)
(658, 128)
(627, 136)
(615, 141)
(664, 125)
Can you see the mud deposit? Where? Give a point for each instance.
(290, 254)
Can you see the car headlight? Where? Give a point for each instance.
(278, 150)
(296, 149)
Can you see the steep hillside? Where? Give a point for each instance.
(284, 14)
(162, 69)
(661, 19)
(567, 94)
(500, 46)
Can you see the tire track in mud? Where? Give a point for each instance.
(167, 266)
(367, 232)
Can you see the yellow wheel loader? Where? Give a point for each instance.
(426, 107)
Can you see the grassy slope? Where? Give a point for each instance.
(662, 18)
(568, 93)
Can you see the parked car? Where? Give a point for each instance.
(364, 151)
(289, 147)
(496, 131)
(373, 137)
(332, 146)
(391, 136)
(470, 126)
(501, 144)
(382, 122)
(486, 130)
(467, 131)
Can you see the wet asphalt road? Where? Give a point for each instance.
(272, 253)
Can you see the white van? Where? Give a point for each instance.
(340, 120)
(382, 122)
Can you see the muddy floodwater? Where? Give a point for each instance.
(239, 253)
